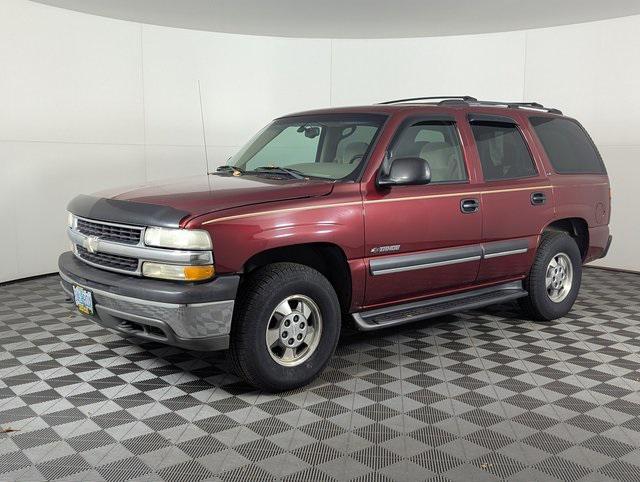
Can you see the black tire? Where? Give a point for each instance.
(538, 304)
(265, 289)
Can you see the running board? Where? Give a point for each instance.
(420, 310)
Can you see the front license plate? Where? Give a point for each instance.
(83, 299)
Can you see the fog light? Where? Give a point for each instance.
(177, 272)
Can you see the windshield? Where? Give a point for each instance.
(325, 146)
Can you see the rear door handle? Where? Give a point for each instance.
(538, 198)
(469, 206)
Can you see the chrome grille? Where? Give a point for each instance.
(120, 247)
(112, 261)
(109, 232)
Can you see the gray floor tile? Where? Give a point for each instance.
(483, 395)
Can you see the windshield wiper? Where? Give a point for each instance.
(282, 170)
(233, 169)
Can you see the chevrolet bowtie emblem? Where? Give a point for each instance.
(91, 244)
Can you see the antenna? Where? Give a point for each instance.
(204, 136)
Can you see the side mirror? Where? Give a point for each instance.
(406, 171)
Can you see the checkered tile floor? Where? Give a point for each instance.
(483, 395)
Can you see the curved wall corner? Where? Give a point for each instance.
(91, 103)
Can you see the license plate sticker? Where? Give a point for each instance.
(83, 299)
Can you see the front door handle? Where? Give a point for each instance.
(469, 206)
(538, 198)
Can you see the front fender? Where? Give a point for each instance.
(238, 237)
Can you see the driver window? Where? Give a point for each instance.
(439, 144)
(289, 147)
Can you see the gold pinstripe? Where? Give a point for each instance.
(380, 201)
(454, 194)
(285, 210)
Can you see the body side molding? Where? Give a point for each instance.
(448, 256)
(505, 248)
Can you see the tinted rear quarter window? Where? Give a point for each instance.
(568, 147)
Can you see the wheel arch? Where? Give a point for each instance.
(577, 228)
(327, 258)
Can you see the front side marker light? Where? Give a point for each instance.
(178, 272)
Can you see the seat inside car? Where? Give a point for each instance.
(443, 161)
(410, 149)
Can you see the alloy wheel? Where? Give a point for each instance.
(559, 277)
(294, 330)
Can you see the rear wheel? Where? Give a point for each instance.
(554, 280)
(286, 326)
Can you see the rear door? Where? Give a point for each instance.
(419, 240)
(517, 197)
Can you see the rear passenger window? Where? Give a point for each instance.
(503, 151)
(568, 146)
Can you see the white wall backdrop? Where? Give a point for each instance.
(88, 103)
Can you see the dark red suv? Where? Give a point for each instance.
(377, 215)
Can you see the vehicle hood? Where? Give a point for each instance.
(200, 195)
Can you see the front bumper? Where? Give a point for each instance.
(191, 316)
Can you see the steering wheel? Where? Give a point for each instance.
(353, 159)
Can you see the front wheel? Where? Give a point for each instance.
(554, 280)
(286, 326)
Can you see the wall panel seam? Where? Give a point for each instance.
(144, 109)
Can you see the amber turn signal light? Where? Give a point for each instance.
(178, 272)
(197, 273)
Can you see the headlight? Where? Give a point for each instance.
(69, 220)
(177, 238)
(175, 272)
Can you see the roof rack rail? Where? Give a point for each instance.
(467, 99)
(463, 98)
(535, 105)
(514, 105)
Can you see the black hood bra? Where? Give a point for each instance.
(126, 212)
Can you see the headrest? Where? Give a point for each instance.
(437, 154)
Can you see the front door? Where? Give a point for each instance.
(421, 240)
